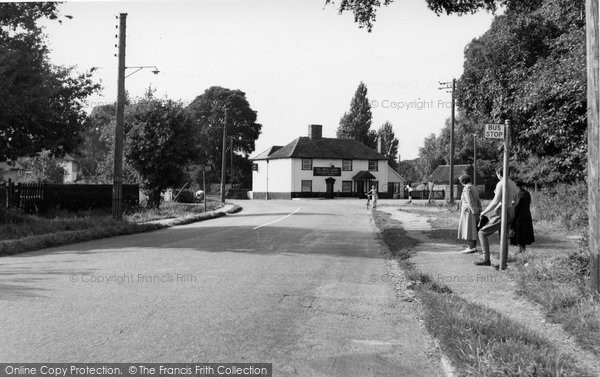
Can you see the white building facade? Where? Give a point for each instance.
(321, 167)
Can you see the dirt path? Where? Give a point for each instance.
(482, 285)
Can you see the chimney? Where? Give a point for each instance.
(315, 131)
(380, 145)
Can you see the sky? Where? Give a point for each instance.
(298, 61)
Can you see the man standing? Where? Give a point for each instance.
(494, 213)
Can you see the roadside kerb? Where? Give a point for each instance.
(21, 245)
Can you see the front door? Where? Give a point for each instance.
(329, 183)
(360, 188)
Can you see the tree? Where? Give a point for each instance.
(40, 104)
(97, 150)
(365, 10)
(429, 156)
(356, 123)
(540, 85)
(208, 111)
(44, 168)
(162, 142)
(389, 143)
(409, 170)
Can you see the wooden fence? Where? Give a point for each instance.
(41, 197)
(424, 194)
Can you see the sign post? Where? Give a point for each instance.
(502, 131)
(505, 199)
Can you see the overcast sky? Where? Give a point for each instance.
(298, 62)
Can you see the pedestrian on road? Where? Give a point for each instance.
(410, 190)
(522, 225)
(469, 214)
(494, 212)
(372, 194)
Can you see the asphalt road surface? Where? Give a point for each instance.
(295, 283)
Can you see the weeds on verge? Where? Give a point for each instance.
(479, 341)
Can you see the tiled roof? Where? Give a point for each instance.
(394, 176)
(263, 155)
(305, 147)
(15, 165)
(441, 173)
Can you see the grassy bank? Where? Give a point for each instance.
(20, 232)
(170, 210)
(478, 341)
(555, 271)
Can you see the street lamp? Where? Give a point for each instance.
(117, 195)
(139, 68)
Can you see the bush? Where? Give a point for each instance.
(562, 203)
(186, 196)
(237, 193)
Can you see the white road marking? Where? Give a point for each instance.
(276, 220)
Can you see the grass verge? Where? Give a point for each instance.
(21, 233)
(170, 210)
(477, 340)
(561, 285)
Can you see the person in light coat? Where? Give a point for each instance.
(372, 194)
(469, 214)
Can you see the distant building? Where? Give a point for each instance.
(315, 166)
(439, 179)
(14, 171)
(72, 169)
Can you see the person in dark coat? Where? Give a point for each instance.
(522, 224)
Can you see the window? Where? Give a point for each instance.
(347, 165)
(306, 186)
(307, 164)
(373, 164)
(346, 186)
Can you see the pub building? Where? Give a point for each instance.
(314, 166)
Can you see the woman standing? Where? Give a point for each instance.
(469, 214)
(372, 194)
(522, 224)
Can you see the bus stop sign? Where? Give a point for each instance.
(494, 131)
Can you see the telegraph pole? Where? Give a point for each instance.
(231, 162)
(224, 158)
(450, 87)
(117, 197)
(593, 123)
(474, 160)
(204, 186)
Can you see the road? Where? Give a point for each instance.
(297, 283)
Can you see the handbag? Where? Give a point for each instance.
(483, 220)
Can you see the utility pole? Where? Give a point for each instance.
(224, 158)
(593, 123)
(117, 197)
(505, 200)
(204, 186)
(474, 160)
(450, 87)
(231, 164)
(452, 147)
